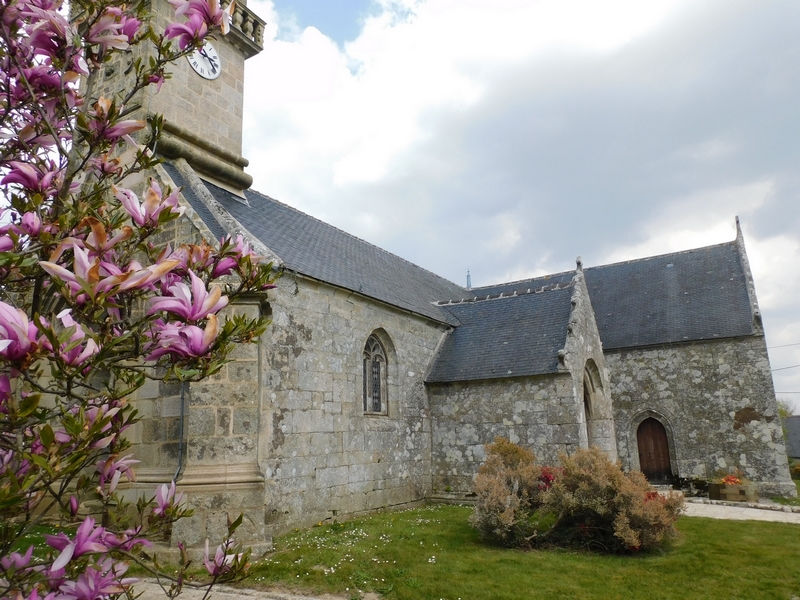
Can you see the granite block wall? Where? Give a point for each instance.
(583, 357)
(322, 457)
(536, 412)
(716, 401)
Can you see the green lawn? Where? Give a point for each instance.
(432, 553)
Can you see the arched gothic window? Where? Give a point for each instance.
(374, 376)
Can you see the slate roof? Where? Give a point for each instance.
(504, 337)
(314, 248)
(693, 295)
(197, 205)
(697, 294)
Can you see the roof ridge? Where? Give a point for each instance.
(355, 237)
(493, 285)
(506, 295)
(666, 254)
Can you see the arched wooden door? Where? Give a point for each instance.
(654, 451)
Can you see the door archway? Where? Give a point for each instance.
(653, 444)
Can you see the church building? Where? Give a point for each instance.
(378, 383)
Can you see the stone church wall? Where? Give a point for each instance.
(218, 458)
(716, 402)
(322, 456)
(583, 357)
(536, 412)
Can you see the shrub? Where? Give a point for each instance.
(602, 508)
(508, 493)
(587, 502)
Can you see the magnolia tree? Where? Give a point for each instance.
(89, 306)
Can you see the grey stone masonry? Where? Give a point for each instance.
(583, 358)
(322, 456)
(536, 412)
(546, 413)
(716, 402)
(216, 460)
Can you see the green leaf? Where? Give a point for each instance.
(235, 525)
(28, 405)
(47, 436)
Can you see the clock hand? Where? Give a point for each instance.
(210, 60)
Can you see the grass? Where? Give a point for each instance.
(433, 553)
(36, 538)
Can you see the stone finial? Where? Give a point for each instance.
(579, 264)
(739, 234)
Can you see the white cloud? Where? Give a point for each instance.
(699, 219)
(508, 136)
(318, 117)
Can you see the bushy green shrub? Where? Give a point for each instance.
(586, 502)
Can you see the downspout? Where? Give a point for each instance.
(180, 433)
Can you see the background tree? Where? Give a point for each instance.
(89, 307)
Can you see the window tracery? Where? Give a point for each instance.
(375, 368)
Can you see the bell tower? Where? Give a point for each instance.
(202, 435)
(202, 101)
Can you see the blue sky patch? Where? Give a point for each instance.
(339, 20)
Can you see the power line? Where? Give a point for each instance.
(784, 368)
(783, 346)
(787, 392)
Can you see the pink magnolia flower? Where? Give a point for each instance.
(192, 257)
(147, 212)
(193, 31)
(127, 540)
(6, 462)
(166, 498)
(97, 582)
(231, 259)
(182, 341)
(33, 178)
(98, 241)
(73, 352)
(157, 79)
(88, 539)
(220, 563)
(113, 30)
(5, 393)
(16, 561)
(30, 224)
(112, 469)
(191, 305)
(89, 271)
(209, 10)
(103, 125)
(17, 334)
(104, 165)
(49, 31)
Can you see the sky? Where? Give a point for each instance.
(508, 137)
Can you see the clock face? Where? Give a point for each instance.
(206, 62)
